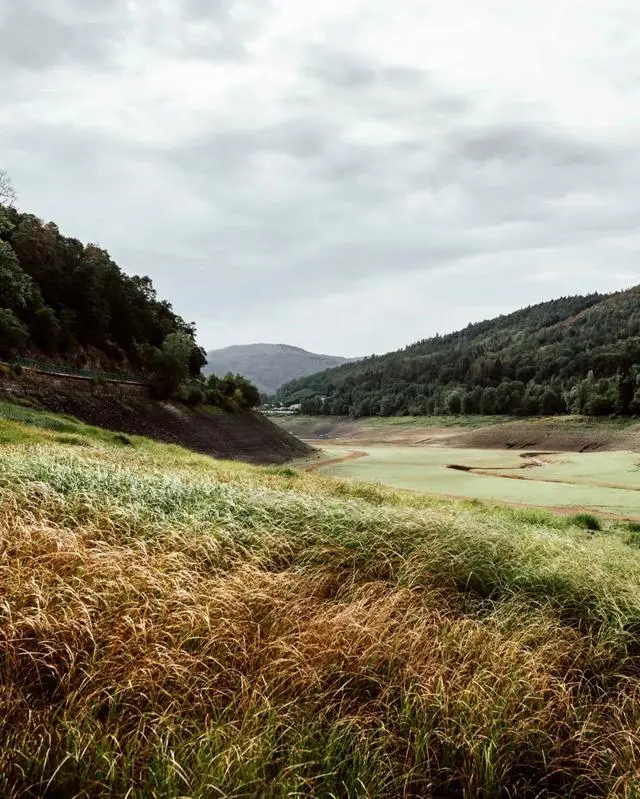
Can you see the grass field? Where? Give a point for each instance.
(607, 482)
(175, 626)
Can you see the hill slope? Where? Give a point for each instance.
(243, 435)
(71, 303)
(269, 366)
(178, 626)
(575, 354)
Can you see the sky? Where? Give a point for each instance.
(347, 176)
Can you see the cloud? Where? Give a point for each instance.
(400, 169)
(37, 36)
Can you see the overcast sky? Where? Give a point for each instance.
(347, 176)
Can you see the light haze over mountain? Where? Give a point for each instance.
(269, 366)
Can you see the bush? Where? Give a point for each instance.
(586, 521)
(196, 395)
(181, 394)
(214, 397)
(283, 471)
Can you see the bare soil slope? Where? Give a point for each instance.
(549, 435)
(561, 434)
(242, 436)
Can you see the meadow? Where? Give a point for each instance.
(600, 482)
(176, 626)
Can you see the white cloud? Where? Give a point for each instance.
(351, 175)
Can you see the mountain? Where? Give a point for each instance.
(572, 355)
(269, 366)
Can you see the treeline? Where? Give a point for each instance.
(572, 355)
(68, 302)
(61, 297)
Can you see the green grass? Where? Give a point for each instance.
(176, 626)
(24, 424)
(587, 521)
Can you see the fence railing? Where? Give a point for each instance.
(60, 369)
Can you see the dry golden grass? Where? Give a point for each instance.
(172, 626)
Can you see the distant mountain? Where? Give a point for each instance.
(572, 355)
(269, 366)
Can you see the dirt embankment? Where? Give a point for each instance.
(562, 435)
(340, 430)
(550, 435)
(243, 436)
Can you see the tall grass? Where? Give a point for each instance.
(175, 626)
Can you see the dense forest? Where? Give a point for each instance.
(572, 355)
(67, 302)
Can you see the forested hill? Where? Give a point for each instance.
(575, 354)
(62, 300)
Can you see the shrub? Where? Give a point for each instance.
(181, 394)
(196, 395)
(284, 471)
(586, 521)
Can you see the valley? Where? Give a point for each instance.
(197, 603)
(566, 465)
(605, 483)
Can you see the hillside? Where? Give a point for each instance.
(174, 625)
(241, 435)
(572, 355)
(69, 302)
(268, 366)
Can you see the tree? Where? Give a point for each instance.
(453, 403)
(45, 329)
(13, 334)
(626, 394)
(7, 192)
(197, 360)
(172, 362)
(250, 396)
(488, 402)
(16, 288)
(551, 403)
